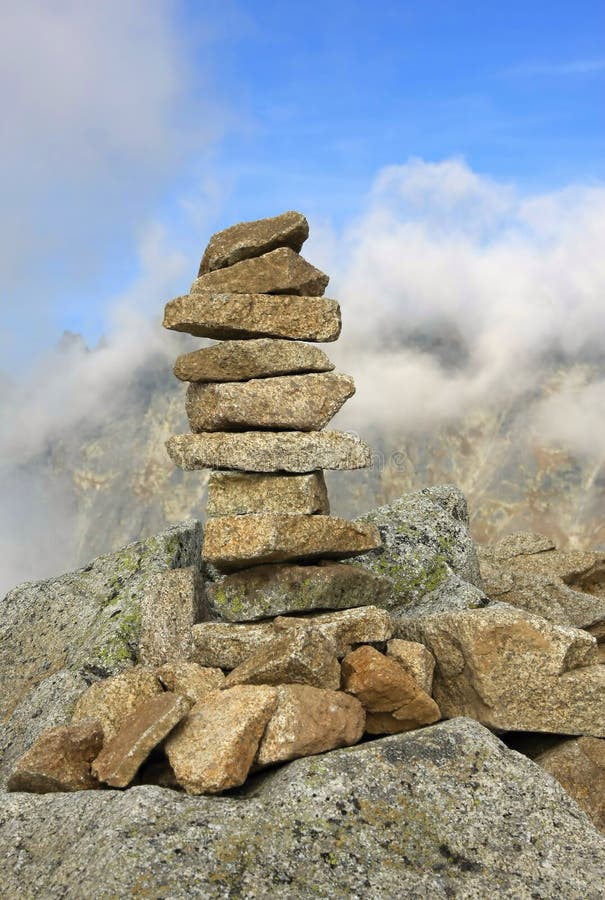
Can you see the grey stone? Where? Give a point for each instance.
(242, 360)
(280, 271)
(448, 811)
(249, 239)
(173, 602)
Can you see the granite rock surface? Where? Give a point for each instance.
(242, 360)
(249, 239)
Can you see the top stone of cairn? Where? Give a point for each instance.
(250, 239)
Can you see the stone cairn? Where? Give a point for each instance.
(277, 652)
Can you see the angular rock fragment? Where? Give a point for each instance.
(249, 239)
(297, 656)
(346, 627)
(232, 542)
(272, 590)
(280, 271)
(309, 720)
(243, 360)
(190, 680)
(119, 760)
(226, 646)
(59, 760)
(242, 493)
(213, 748)
(112, 700)
(224, 316)
(513, 671)
(258, 451)
(415, 659)
(172, 603)
(579, 766)
(386, 723)
(288, 402)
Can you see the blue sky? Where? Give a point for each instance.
(188, 116)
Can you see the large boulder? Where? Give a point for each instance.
(448, 811)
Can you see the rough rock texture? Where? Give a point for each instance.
(242, 493)
(226, 316)
(415, 659)
(280, 271)
(170, 606)
(309, 720)
(514, 671)
(119, 760)
(346, 627)
(59, 760)
(448, 811)
(112, 700)
(248, 239)
(297, 656)
(68, 630)
(257, 451)
(579, 766)
(242, 360)
(190, 680)
(232, 542)
(272, 590)
(425, 540)
(452, 593)
(213, 748)
(288, 402)
(225, 645)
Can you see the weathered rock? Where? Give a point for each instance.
(383, 686)
(579, 766)
(448, 811)
(190, 680)
(261, 451)
(272, 590)
(288, 402)
(242, 360)
(425, 540)
(415, 659)
(513, 671)
(280, 271)
(309, 720)
(170, 606)
(242, 493)
(386, 723)
(225, 316)
(232, 542)
(226, 645)
(452, 593)
(59, 760)
(68, 630)
(521, 543)
(120, 759)
(249, 239)
(297, 656)
(346, 627)
(213, 748)
(112, 700)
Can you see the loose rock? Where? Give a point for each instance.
(280, 271)
(249, 239)
(172, 603)
(242, 493)
(112, 700)
(579, 766)
(415, 659)
(346, 627)
(59, 760)
(225, 645)
(190, 680)
(243, 360)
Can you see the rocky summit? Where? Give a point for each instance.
(289, 703)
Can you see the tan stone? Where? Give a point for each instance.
(190, 680)
(309, 720)
(242, 360)
(232, 542)
(579, 766)
(225, 316)
(119, 760)
(288, 402)
(171, 604)
(415, 659)
(280, 271)
(213, 748)
(345, 627)
(242, 493)
(386, 723)
(248, 239)
(59, 760)
(272, 590)
(226, 645)
(297, 656)
(112, 700)
(265, 451)
(513, 671)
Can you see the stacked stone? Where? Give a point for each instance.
(257, 402)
